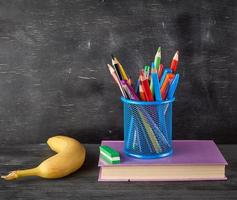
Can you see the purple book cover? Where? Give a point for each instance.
(184, 152)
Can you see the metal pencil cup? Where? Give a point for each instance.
(147, 128)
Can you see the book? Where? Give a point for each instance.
(191, 160)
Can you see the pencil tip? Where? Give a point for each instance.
(109, 66)
(158, 53)
(176, 56)
(112, 56)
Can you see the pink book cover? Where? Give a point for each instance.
(185, 152)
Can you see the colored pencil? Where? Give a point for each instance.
(141, 93)
(115, 77)
(166, 71)
(151, 82)
(156, 84)
(129, 90)
(137, 85)
(174, 63)
(121, 69)
(157, 59)
(130, 81)
(116, 68)
(147, 71)
(161, 69)
(173, 86)
(165, 85)
(146, 88)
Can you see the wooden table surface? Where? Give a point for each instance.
(84, 185)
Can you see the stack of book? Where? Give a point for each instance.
(191, 160)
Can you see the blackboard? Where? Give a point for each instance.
(54, 80)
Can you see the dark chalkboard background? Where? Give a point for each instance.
(53, 75)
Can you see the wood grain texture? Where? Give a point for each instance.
(83, 184)
(53, 56)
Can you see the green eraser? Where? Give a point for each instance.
(109, 154)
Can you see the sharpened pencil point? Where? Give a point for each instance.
(176, 55)
(112, 56)
(158, 53)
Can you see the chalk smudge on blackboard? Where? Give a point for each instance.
(86, 78)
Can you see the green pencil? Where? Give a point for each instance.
(157, 59)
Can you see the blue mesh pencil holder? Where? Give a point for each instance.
(147, 128)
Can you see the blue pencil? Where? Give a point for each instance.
(173, 87)
(137, 86)
(156, 84)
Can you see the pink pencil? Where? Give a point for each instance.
(112, 72)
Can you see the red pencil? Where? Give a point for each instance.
(160, 71)
(174, 63)
(146, 88)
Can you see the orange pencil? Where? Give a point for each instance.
(141, 93)
(174, 63)
(165, 85)
(129, 81)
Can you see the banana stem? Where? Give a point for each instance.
(21, 173)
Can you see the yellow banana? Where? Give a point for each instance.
(69, 158)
